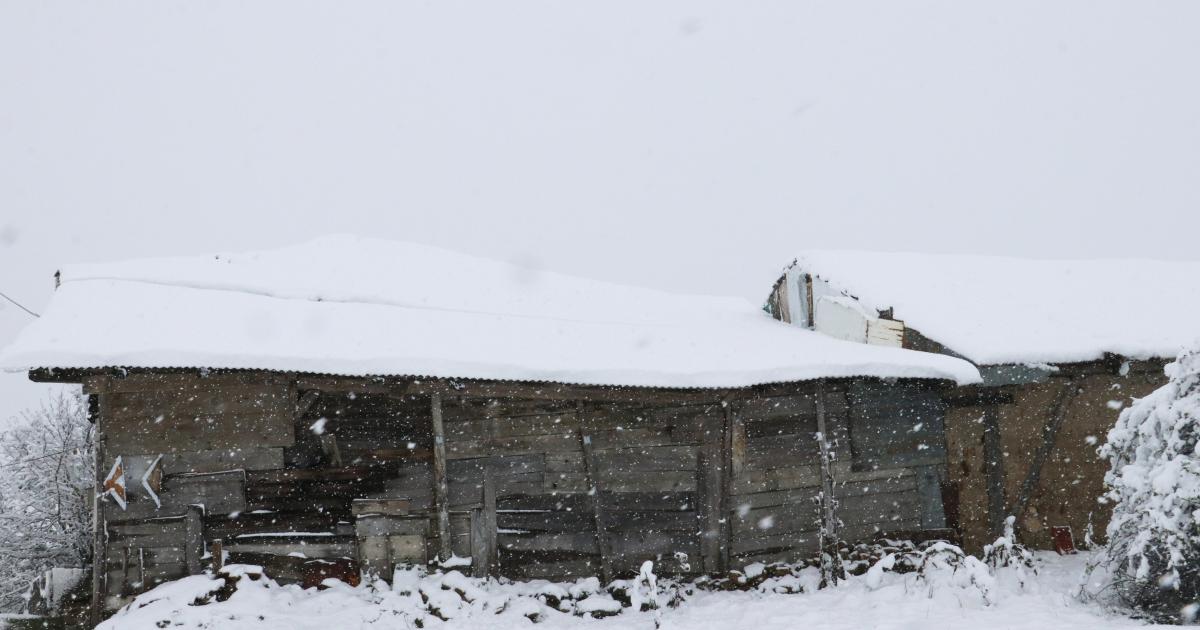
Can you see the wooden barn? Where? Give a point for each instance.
(355, 404)
(1062, 347)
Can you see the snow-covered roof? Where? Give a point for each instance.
(995, 310)
(355, 306)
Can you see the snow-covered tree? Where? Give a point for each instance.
(46, 494)
(1153, 554)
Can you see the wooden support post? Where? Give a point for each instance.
(193, 544)
(603, 545)
(478, 553)
(441, 488)
(483, 529)
(993, 466)
(831, 566)
(1049, 435)
(709, 490)
(218, 556)
(732, 439)
(99, 532)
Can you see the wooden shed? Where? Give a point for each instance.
(354, 404)
(1062, 347)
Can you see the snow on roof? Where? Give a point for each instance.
(995, 310)
(356, 306)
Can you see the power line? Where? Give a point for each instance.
(19, 305)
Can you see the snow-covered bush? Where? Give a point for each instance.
(1009, 559)
(945, 567)
(45, 494)
(1153, 553)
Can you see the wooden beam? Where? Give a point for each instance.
(977, 396)
(99, 537)
(1058, 415)
(830, 562)
(490, 527)
(993, 466)
(306, 401)
(193, 543)
(710, 486)
(728, 477)
(603, 544)
(441, 488)
(484, 559)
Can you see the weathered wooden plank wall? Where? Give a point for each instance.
(557, 481)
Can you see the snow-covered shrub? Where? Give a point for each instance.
(1153, 553)
(45, 494)
(946, 567)
(1009, 559)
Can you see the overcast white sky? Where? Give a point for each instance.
(692, 146)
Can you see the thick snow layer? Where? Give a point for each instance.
(345, 305)
(996, 310)
(886, 600)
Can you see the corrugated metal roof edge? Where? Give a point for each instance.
(115, 370)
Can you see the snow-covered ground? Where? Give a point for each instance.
(944, 599)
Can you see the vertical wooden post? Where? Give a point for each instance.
(709, 490)
(441, 488)
(993, 466)
(602, 543)
(193, 544)
(483, 529)
(218, 556)
(489, 521)
(830, 558)
(733, 449)
(99, 534)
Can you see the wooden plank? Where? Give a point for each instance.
(572, 502)
(648, 501)
(544, 541)
(545, 521)
(647, 459)
(378, 525)
(189, 381)
(530, 565)
(658, 520)
(387, 507)
(441, 491)
(315, 548)
(230, 400)
(526, 445)
(660, 481)
(194, 539)
(602, 541)
(174, 433)
(224, 460)
(464, 469)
